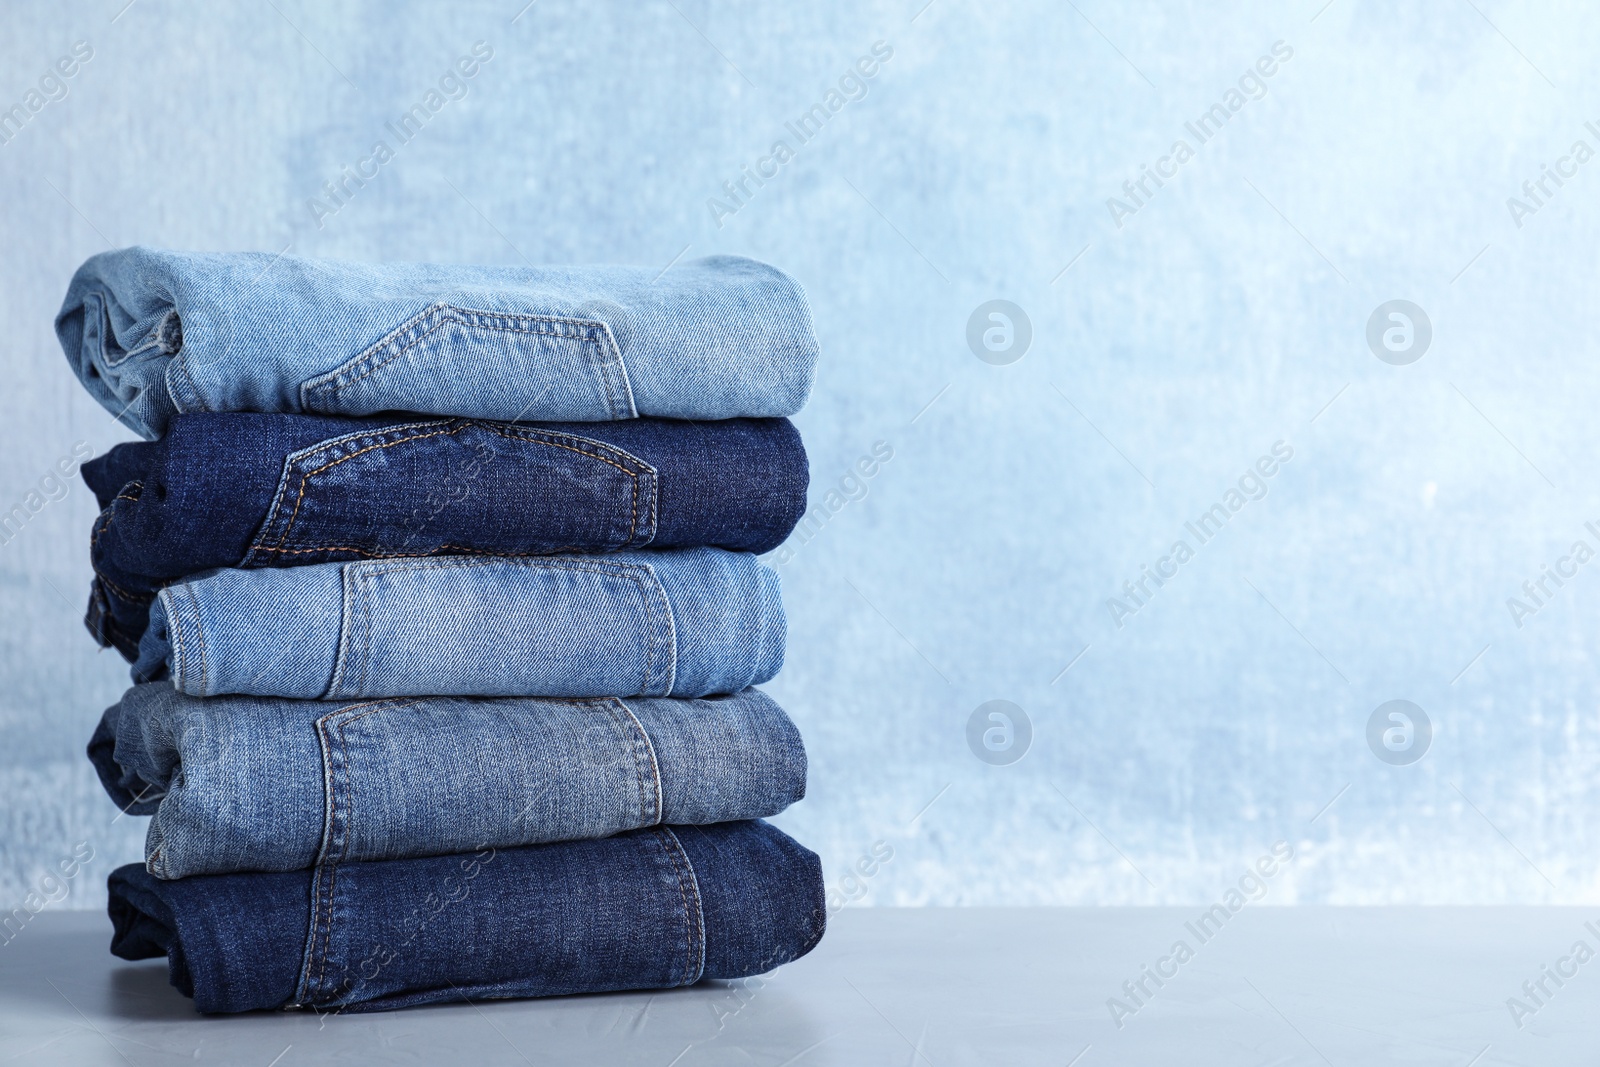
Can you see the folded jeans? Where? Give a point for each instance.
(266, 784)
(251, 490)
(153, 333)
(647, 909)
(681, 622)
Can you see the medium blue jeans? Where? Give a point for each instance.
(679, 622)
(154, 333)
(266, 784)
(248, 490)
(647, 909)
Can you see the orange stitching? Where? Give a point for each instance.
(137, 598)
(633, 524)
(442, 549)
(307, 477)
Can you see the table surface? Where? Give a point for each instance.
(932, 986)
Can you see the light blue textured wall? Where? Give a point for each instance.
(1226, 313)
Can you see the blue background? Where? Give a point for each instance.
(1228, 313)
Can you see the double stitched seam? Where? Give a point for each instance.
(176, 640)
(697, 959)
(194, 391)
(318, 888)
(663, 669)
(669, 844)
(441, 550)
(305, 479)
(325, 926)
(363, 612)
(442, 315)
(643, 742)
(308, 476)
(631, 749)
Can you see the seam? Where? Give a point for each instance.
(176, 641)
(441, 550)
(137, 598)
(631, 745)
(671, 654)
(693, 921)
(698, 966)
(655, 764)
(182, 365)
(199, 636)
(364, 591)
(323, 917)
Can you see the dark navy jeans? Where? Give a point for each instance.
(252, 490)
(647, 909)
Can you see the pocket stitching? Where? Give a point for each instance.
(637, 573)
(593, 332)
(526, 436)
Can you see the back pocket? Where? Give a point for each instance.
(455, 486)
(484, 364)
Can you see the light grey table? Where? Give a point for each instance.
(902, 986)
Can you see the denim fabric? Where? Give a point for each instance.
(232, 490)
(648, 909)
(266, 784)
(683, 622)
(154, 333)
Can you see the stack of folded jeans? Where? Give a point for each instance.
(441, 593)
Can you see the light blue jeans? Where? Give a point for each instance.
(153, 333)
(674, 622)
(263, 784)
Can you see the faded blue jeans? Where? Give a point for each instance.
(261, 783)
(681, 622)
(153, 333)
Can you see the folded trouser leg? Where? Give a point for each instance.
(644, 910)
